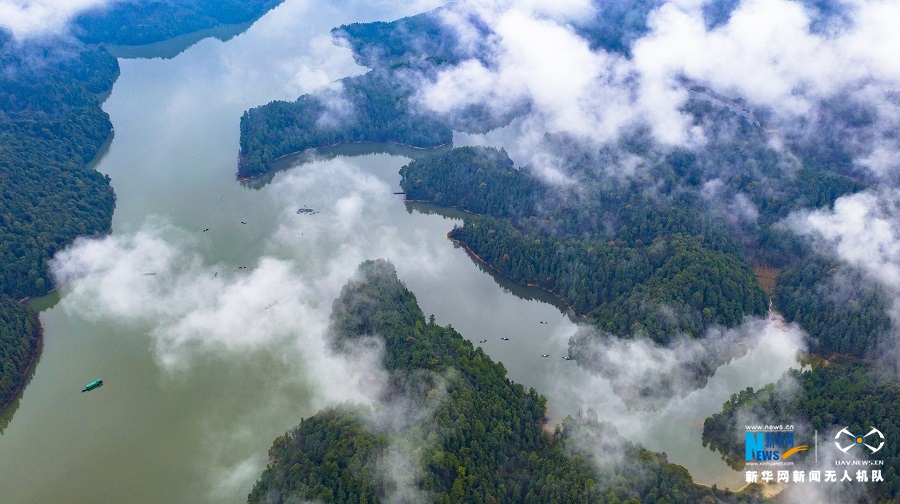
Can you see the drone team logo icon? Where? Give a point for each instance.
(858, 440)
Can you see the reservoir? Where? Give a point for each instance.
(204, 310)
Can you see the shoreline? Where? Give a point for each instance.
(472, 253)
(336, 144)
(17, 394)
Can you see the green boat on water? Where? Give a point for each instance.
(91, 386)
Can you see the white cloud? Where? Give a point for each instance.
(191, 309)
(157, 281)
(675, 425)
(862, 230)
(646, 374)
(536, 60)
(27, 18)
(766, 53)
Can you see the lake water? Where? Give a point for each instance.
(203, 312)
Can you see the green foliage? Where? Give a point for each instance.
(328, 457)
(475, 179)
(475, 435)
(51, 126)
(134, 23)
(826, 398)
(671, 285)
(663, 270)
(20, 335)
(835, 306)
(418, 41)
(370, 108)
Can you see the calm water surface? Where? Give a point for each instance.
(196, 387)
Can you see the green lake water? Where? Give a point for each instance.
(210, 342)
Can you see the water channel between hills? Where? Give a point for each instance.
(196, 386)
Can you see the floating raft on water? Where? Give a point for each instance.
(91, 386)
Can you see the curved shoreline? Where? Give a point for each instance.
(17, 393)
(336, 144)
(472, 253)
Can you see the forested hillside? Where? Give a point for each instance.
(476, 436)
(51, 126)
(370, 108)
(661, 260)
(844, 314)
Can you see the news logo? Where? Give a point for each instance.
(772, 443)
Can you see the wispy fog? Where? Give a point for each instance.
(863, 232)
(776, 55)
(34, 18)
(645, 374)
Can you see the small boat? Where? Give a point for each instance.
(91, 386)
(505, 339)
(545, 355)
(273, 303)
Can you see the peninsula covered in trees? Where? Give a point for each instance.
(659, 255)
(370, 108)
(476, 435)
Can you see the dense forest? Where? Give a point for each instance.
(369, 108)
(134, 23)
(477, 436)
(630, 280)
(604, 245)
(825, 398)
(51, 128)
(20, 336)
(845, 314)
